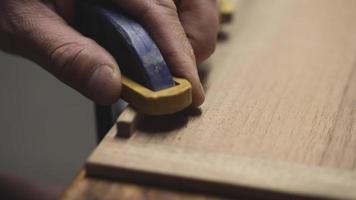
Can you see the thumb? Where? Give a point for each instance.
(78, 61)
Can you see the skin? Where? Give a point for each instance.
(184, 30)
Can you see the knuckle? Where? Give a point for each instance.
(21, 22)
(66, 51)
(13, 21)
(19, 19)
(64, 59)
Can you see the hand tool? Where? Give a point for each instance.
(148, 85)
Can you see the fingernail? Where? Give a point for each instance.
(199, 96)
(104, 85)
(202, 89)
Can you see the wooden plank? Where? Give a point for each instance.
(279, 116)
(84, 187)
(216, 173)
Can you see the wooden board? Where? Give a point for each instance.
(279, 117)
(84, 187)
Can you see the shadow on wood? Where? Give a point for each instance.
(162, 124)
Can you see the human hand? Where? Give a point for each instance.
(184, 30)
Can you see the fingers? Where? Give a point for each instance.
(200, 19)
(42, 36)
(160, 18)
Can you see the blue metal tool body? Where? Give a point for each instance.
(137, 55)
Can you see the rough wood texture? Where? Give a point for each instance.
(279, 116)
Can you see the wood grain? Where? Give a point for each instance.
(279, 115)
(84, 187)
